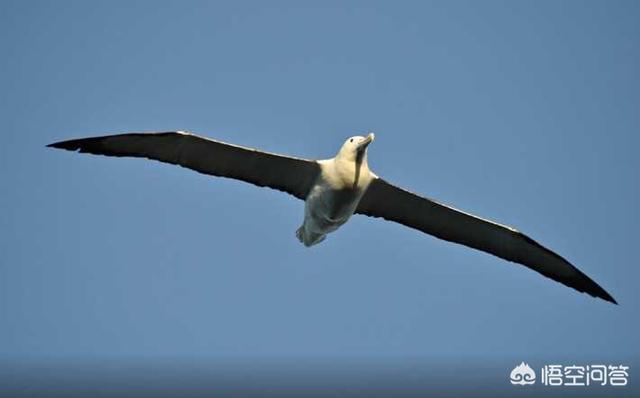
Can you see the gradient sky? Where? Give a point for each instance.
(526, 113)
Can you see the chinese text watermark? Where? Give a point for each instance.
(572, 375)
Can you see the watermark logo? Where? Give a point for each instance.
(522, 375)
(572, 375)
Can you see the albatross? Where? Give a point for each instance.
(335, 189)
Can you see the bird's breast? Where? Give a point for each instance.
(334, 197)
(331, 207)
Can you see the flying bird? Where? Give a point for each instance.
(335, 189)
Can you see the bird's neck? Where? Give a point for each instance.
(352, 173)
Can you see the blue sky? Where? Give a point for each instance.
(522, 112)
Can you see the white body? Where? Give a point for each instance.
(336, 194)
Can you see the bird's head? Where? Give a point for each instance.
(355, 147)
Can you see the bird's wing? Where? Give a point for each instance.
(291, 175)
(395, 204)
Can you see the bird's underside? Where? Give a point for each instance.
(378, 198)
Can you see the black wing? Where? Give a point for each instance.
(395, 204)
(291, 175)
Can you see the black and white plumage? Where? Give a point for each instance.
(334, 189)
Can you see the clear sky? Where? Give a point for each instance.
(526, 113)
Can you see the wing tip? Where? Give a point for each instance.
(70, 145)
(589, 286)
(74, 144)
(607, 297)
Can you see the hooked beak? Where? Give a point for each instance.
(365, 143)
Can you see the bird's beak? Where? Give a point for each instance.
(365, 143)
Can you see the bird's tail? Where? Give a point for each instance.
(309, 238)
